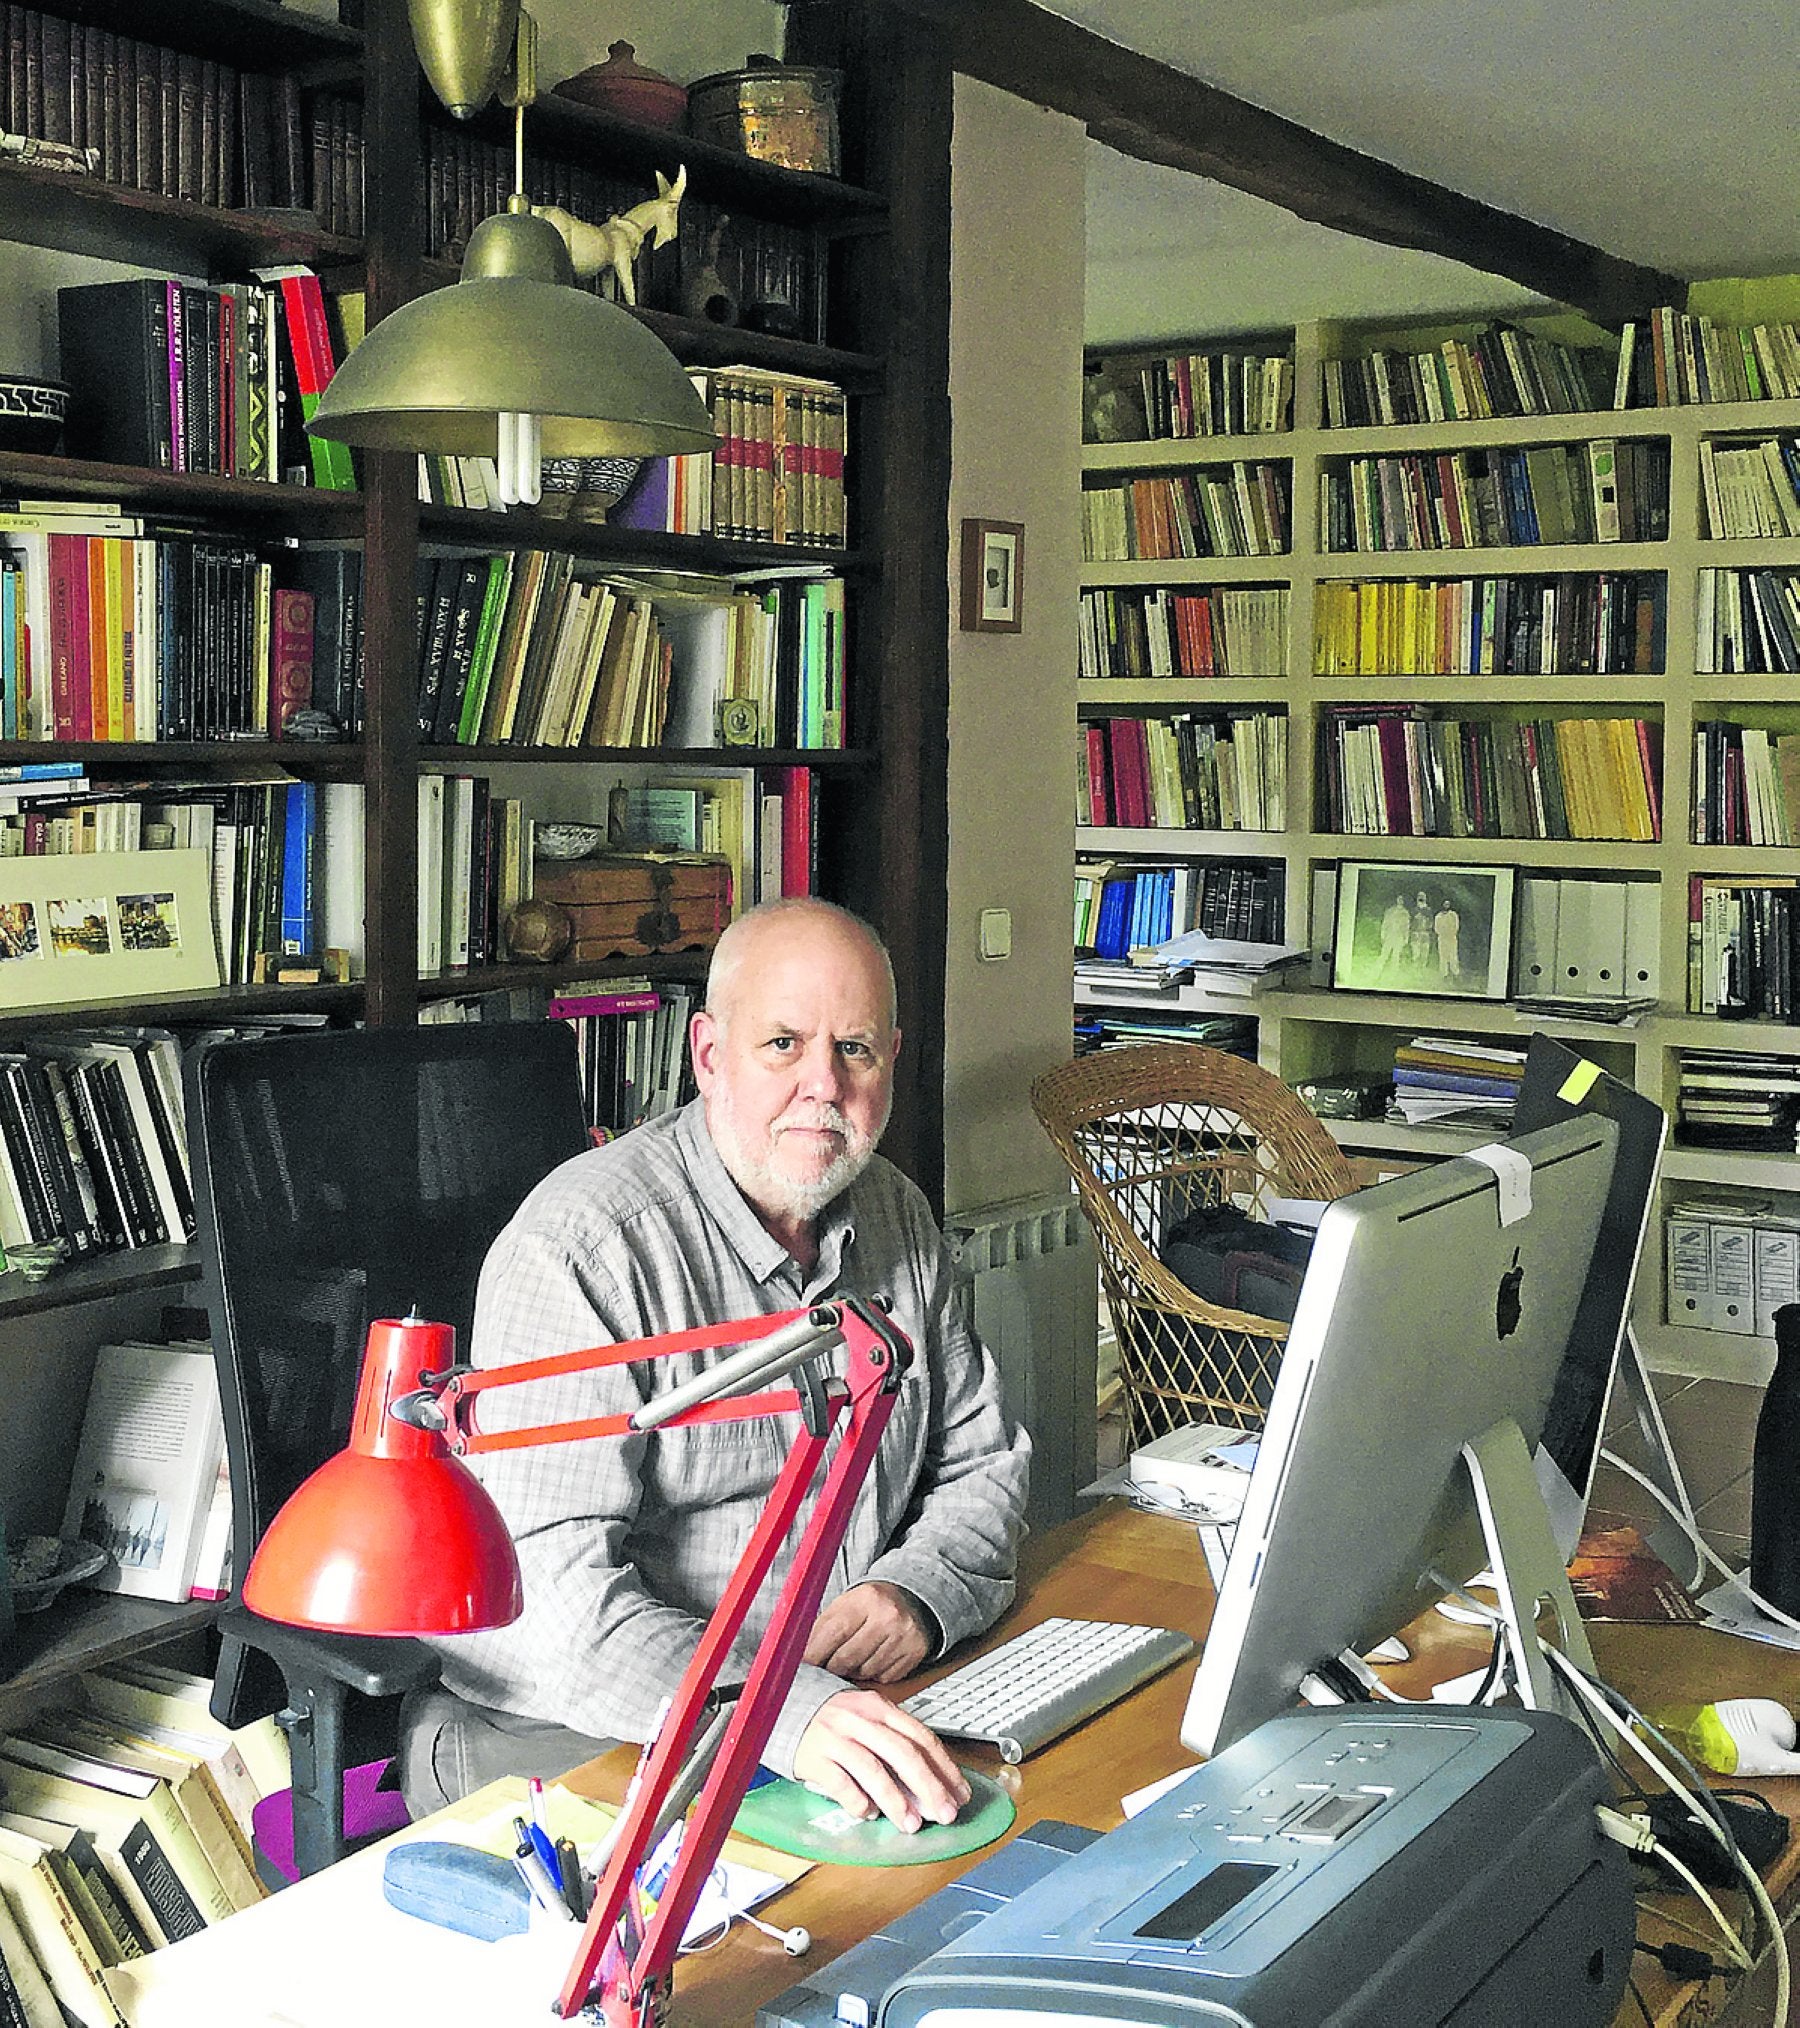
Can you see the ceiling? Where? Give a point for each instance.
(1653, 129)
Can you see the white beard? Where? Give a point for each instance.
(773, 1190)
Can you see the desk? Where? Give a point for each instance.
(1117, 1564)
(1112, 1564)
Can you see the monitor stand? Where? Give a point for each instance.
(1667, 1537)
(1529, 1572)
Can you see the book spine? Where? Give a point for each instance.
(291, 662)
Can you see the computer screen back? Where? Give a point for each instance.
(1423, 1322)
(1559, 1084)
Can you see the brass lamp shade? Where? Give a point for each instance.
(464, 47)
(513, 336)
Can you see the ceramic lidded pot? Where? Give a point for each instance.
(624, 86)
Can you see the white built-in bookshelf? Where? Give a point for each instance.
(1310, 1030)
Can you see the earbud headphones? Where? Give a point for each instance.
(798, 1940)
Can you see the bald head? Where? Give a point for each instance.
(798, 923)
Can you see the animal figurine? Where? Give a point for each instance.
(616, 242)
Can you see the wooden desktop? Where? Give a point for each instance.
(1117, 1564)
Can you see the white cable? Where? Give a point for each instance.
(1733, 1942)
(1702, 1547)
(1677, 1787)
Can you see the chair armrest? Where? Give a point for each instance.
(370, 1664)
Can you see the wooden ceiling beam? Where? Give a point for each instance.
(1156, 113)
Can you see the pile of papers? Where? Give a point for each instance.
(1218, 964)
(1447, 1080)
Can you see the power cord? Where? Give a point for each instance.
(1636, 1833)
(1683, 1961)
(1702, 1548)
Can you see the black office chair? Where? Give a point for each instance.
(341, 1176)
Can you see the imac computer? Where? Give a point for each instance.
(1602, 1357)
(1395, 1462)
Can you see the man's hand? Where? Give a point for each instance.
(869, 1634)
(868, 1755)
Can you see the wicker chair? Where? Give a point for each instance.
(1150, 1135)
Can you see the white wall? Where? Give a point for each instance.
(1016, 258)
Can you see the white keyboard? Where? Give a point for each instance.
(1034, 1687)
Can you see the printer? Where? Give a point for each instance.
(1371, 1866)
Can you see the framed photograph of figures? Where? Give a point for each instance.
(1424, 929)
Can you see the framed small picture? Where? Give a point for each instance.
(993, 576)
(105, 926)
(1423, 929)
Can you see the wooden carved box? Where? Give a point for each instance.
(635, 904)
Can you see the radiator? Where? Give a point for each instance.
(1028, 1283)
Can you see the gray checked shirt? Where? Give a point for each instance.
(626, 1543)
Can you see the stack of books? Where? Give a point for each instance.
(1729, 1100)
(1096, 1030)
(1447, 1080)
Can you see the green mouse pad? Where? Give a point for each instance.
(792, 1819)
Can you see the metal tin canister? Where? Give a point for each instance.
(780, 113)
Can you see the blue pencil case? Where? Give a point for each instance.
(457, 1888)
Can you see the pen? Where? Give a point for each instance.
(544, 1890)
(544, 1846)
(534, 1788)
(573, 1887)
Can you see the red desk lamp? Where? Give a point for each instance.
(344, 1555)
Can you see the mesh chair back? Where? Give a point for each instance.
(1149, 1136)
(345, 1175)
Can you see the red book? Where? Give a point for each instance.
(290, 658)
(579, 1006)
(1390, 734)
(799, 832)
(71, 700)
(1647, 753)
(1099, 802)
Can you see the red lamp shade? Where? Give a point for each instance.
(394, 1535)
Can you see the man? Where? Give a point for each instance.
(763, 1195)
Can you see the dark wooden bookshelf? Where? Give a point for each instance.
(85, 1630)
(113, 1274)
(224, 759)
(635, 549)
(708, 758)
(685, 967)
(203, 1006)
(85, 214)
(252, 34)
(181, 496)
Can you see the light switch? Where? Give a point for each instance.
(996, 933)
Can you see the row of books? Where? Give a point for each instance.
(1571, 623)
(1746, 785)
(516, 650)
(1748, 622)
(777, 476)
(144, 634)
(1387, 773)
(1728, 1099)
(1744, 947)
(1097, 1029)
(93, 1151)
(1672, 358)
(1449, 1080)
(1226, 393)
(1603, 491)
(286, 856)
(1119, 907)
(631, 1046)
(1751, 489)
(1731, 1262)
(1499, 371)
(125, 1824)
(1228, 510)
(475, 852)
(154, 118)
(194, 377)
(1222, 631)
(1221, 772)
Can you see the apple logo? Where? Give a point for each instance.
(1506, 1299)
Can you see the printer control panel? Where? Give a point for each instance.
(1251, 1855)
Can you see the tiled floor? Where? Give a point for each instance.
(1712, 1428)
(1711, 1425)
